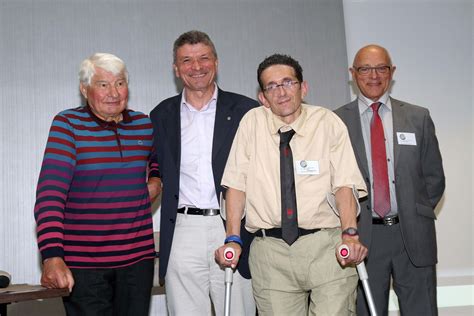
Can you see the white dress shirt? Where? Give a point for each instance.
(196, 179)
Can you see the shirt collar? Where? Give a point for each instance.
(209, 106)
(276, 124)
(365, 103)
(126, 118)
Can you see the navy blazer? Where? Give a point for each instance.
(419, 178)
(165, 117)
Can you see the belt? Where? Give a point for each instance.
(199, 211)
(386, 221)
(276, 232)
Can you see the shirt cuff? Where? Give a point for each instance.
(331, 198)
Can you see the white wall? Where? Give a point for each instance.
(42, 43)
(431, 43)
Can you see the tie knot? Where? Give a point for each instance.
(375, 106)
(285, 137)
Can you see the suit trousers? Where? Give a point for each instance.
(302, 279)
(111, 292)
(193, 277)
(415, 286)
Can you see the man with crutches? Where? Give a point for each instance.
(285, 158)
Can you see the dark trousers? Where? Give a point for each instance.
(415, 286)
(111, 292)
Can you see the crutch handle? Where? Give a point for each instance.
(363, 276)
(343, 251)
(229, 253)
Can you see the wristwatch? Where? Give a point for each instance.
(350, 231)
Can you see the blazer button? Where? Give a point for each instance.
(172, 220)
(368, 207)
(176, 197)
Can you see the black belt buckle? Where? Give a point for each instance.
(199, 211)
(389, 221)
(386, 221)
(210, 212)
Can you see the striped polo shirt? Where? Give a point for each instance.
(92, 203)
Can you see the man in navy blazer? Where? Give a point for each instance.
(193, 134)
(402, 242)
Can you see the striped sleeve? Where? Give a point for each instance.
(153, 167)
(53, 185)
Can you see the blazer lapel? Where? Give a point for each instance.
(398, 125)
(223, 121)
(357, 140)
(172, 129)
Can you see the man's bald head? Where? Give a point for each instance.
(372, 70)
(369, 50)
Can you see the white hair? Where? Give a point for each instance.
(108, 62)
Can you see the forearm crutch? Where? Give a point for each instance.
(364, 278)
(229, 255)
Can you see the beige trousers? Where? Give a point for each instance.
(302, 279)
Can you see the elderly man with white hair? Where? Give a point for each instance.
(93, 201)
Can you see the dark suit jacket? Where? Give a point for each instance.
(419, 178)
(167, 146)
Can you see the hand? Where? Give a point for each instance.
(220, 259)
(154, 188)
(56, 275)
(357, 251)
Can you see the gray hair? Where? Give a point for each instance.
(193, 37)
(108, 62)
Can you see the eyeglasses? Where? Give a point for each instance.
(287, 85)
(364, 70)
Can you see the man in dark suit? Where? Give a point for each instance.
(193, 133)
(397, 152)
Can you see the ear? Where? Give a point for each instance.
(304, 89)
(353, 72)
(263, 100)
(83, 89)
(176, 72)
(393, 69)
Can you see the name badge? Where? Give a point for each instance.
(307, 167)
(405, 138)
